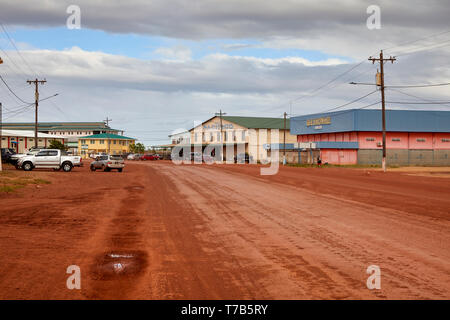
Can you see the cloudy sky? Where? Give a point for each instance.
(154, 66)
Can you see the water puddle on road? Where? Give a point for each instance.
(118, 264)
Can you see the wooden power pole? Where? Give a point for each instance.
(107, 121)
(284, 140)
(36, 83)
(220, 114)
(381, 60)
(1, 127)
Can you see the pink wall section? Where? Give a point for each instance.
(438, 143)
(336, 156)
(394, 140)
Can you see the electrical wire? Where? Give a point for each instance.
(420, 86)
(417, 40)
(15, 47)
(6, 84)
(414, 96)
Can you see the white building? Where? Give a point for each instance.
(22, 140)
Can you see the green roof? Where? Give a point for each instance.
(57, 125)
(107, 136)
(258, 122)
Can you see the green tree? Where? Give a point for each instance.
(55, 144)
(137, 148)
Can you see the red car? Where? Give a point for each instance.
(149, 157)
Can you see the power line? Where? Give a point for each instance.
(423, 48)
(417, 40)
(317, 90)
(15, 47)
(3, 80)
(412, 102)
(351, 102)
(421, 85)
(413, 96)
(348, 103)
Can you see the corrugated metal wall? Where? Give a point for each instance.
(406, 157)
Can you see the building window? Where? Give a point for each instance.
(243, 135)
(92, 141)
(114, 141)
(102, 141)
(83, 141)
(370, 139)
(395, 139)
(421, 140)
(225, 136)
(195, 137)
(211, 137)
(218, 136)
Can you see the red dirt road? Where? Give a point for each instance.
(161, 231)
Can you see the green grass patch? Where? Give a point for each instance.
(8, 184)
(9, 188)
(41, 181)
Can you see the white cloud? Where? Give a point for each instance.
(177, 53)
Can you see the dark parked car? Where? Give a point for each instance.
(6, 154)
(243, 158)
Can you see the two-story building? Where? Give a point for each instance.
(104, 143)
(70, 131)
(256, 136)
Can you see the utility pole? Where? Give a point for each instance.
(1, 127)
(284, 140)
(220, 114)
(107, 121)
(381, 60)
(36, 83)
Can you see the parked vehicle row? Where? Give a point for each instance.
(143, 157)
(48, 158)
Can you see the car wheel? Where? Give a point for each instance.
(107, 169)
(93, 168)
(67, 167)
(27, 166)
(120, 170)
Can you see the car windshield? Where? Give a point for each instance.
(116, 158)
(104, 158)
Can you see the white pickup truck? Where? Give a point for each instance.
(48, 158)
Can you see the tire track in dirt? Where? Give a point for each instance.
(340, 249)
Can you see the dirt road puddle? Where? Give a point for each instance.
(119, 264)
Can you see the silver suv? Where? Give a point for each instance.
(107, 163)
